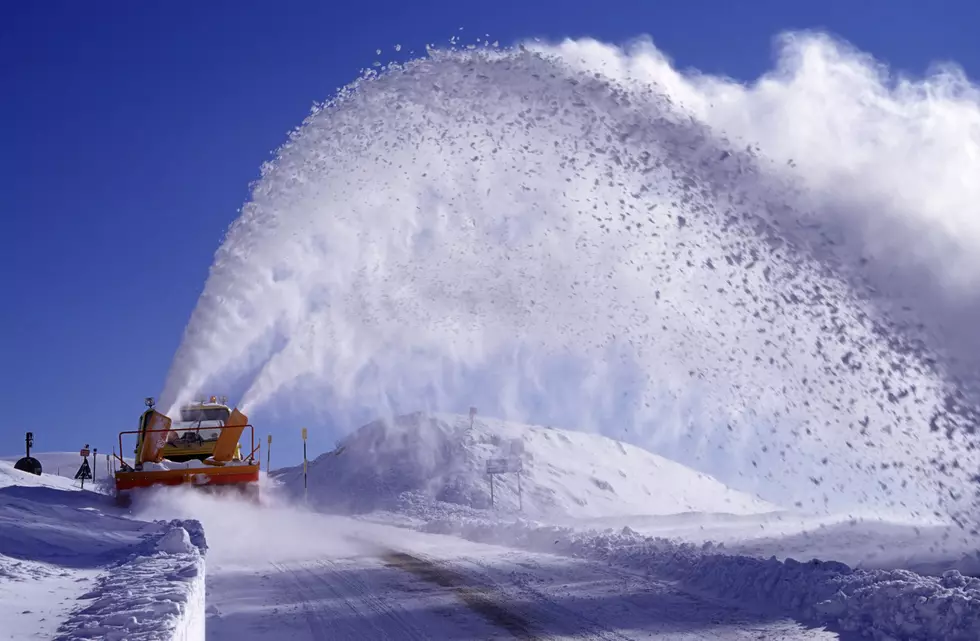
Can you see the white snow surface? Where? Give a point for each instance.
(881, 604)
(73, 566)
(566, 473)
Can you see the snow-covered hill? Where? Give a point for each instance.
(441, 457)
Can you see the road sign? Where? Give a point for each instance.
(504, 465)
(304, 433)
(84, 472)
(509, 465)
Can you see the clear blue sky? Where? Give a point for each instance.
(131, 131)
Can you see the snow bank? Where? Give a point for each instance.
(443, 458)
(193, 464)
(157, 594)
(71, 557)
(881, 604)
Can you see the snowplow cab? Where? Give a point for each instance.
(202, 448)
(195, 435)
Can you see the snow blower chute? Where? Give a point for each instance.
(202, 450)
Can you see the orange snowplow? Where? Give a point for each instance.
(201, 450)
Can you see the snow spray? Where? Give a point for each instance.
(775, 282)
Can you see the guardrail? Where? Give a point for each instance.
(251, 428)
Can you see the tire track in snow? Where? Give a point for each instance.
(588, 628)
(585, 627)
(354, 587)
(478, 599)
(342, 600)
(317, 624)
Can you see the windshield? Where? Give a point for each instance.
(198, 414)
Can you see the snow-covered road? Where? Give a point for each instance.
(338, 578)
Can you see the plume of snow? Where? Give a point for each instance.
(774, 281)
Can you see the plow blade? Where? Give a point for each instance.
(234, 479)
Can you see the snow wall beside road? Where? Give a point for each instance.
(156, 594)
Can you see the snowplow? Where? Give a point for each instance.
(202, 450)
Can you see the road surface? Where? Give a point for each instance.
(324, 577)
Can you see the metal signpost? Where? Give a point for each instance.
(84, 471)
(268, 454)
(512, 464)
(305, 493)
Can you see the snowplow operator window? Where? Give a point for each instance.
(198, 415)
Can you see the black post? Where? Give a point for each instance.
(30, 442)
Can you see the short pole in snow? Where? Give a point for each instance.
(268, 454)
(492, 505)
(305, 487)
(520, 496)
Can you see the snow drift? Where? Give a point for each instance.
(442, 457)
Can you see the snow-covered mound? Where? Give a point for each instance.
(441, 457)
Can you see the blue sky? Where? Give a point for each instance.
(131, 132)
